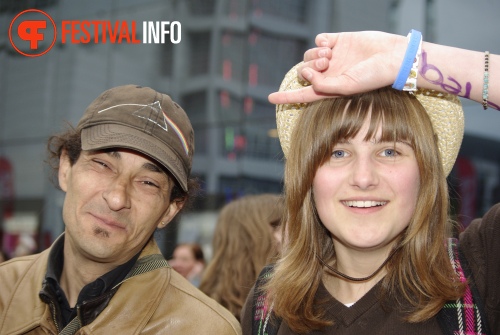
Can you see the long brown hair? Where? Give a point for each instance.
(242, 245)
(419, 276)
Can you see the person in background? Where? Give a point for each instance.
(189, 261)
(367, 204)
(246, 238)
(125, 170)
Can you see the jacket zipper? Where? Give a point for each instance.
(53, 307)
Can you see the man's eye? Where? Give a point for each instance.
(149, 183)
(100, 163)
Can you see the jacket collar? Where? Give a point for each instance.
(26, 311)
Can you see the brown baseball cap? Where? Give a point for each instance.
(139, 118)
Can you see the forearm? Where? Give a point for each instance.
(350, 63)
(460, 72)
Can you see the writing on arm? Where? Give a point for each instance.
(433, 75)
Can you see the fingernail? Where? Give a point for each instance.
(306, 74)
(322, 53)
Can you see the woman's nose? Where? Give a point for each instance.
(364, 174)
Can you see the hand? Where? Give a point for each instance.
(346, 64)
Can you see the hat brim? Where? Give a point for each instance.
(105, 136)
(444, 110)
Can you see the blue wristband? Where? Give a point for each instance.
(411, 53)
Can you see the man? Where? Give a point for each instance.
(125, 171)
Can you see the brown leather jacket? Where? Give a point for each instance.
(156, 302)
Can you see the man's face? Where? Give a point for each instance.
(114, 202)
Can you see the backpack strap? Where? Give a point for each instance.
(465, 315)
(264, 321)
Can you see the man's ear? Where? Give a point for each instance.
(64, 170)
(172, 210)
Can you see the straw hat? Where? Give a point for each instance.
(445, 112)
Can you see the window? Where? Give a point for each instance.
(294, 10)
(271, 57)
(235, 187)
(200, 53)
(233, 53)
(194, 106)
(201, 7)
(14, 6)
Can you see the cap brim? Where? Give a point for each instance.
(105, 136)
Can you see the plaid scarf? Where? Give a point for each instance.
(262, 313)
(464, 316)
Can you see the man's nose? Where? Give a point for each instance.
(117, 194)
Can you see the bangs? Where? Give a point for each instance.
(325, 123)
(341, 119)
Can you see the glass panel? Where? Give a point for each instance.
(229, 108)
(251, 140)
(167, 59)
(200, 139)
(271, 57)
(13, 6)
(200, 51)
(201, 7)
(233, 51)
(234, 9)
(258, 142)
(235, 187)
(294, 10)
(194, 104)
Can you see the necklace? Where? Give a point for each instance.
(340, 274)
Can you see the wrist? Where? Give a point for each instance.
(400, 44)
(406, 78)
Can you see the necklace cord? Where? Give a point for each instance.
(340, 274)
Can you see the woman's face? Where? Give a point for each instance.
(183, 260)
(366, 193)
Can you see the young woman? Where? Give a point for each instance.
(367, 215)
(246, 238)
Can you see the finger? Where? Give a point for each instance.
(329, 86)
(317, 65)
(321, 40)
(316, 53)
(326, 39)
(303, 95)
(311, 75)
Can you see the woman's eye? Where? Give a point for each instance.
(389, 153)
(338, 154)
